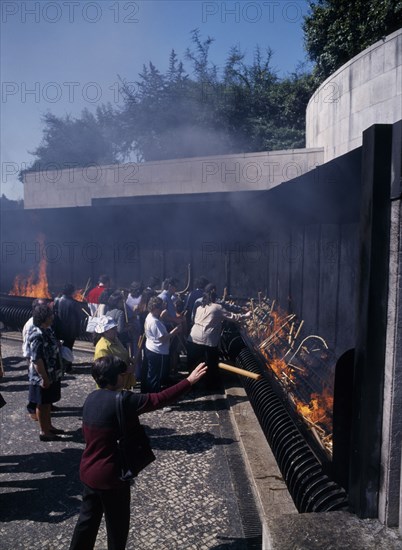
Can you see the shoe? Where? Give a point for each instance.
(56, 431)
(44, 437)
(167, 409)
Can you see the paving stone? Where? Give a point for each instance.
(184, 500)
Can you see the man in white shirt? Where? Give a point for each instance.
(169, 315)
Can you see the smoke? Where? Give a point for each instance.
(191, 141)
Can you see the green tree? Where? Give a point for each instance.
(180, 114)
(174, 115)
(337, 30)
(246, 109)
(69, 142)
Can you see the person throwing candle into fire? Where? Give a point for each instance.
(106, 491)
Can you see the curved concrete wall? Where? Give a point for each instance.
(365, 91)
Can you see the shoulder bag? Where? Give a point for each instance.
(134, 447)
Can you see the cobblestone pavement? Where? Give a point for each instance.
(191, 497)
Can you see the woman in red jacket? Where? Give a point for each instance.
(100, 468)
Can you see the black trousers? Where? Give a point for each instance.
(115, 504)
(197, 353)
(158, 370)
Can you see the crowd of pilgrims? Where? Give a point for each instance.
(138, 338)
(145, 327)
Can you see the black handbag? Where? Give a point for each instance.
(134, 448)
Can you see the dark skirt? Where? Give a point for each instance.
(46, 396)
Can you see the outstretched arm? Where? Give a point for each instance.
(172, 394)
(197, 373)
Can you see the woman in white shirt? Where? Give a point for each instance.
(157, 345)
(205, 334)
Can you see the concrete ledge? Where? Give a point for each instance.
(61, 187)
(272, 495)
(329, 531)
(283, 527)
(80, 345)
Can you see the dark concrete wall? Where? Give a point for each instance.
(297, 244)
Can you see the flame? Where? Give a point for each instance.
(79, 295)
(276, 320)
(278, 366)
(319, 410)
(28, 287)
(275, 337)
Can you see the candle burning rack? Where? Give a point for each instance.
(293, 400)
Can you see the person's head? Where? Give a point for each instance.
(42, 316)
(201, 282)
(170, 284)
(209, 296)
(68, 289)
(179, 306)
(104, 297)
(136, 289)
(146, 295)
(106, 371)
(104, 280)
(38, 302)
(154, 283)
(155, 305)
(115, 300)
(107, 328)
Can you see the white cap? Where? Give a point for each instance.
(105, 323)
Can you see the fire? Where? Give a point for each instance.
(319, 410)
(282, 371)
(79, 295)
(278, 366)
(30, 288)
(298, 364)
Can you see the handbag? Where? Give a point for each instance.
(134, 449)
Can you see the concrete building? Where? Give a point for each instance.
(365, 91)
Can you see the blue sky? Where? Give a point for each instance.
(65, 55)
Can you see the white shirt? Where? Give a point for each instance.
(25, 330)
(207, 326)
(154, 329)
